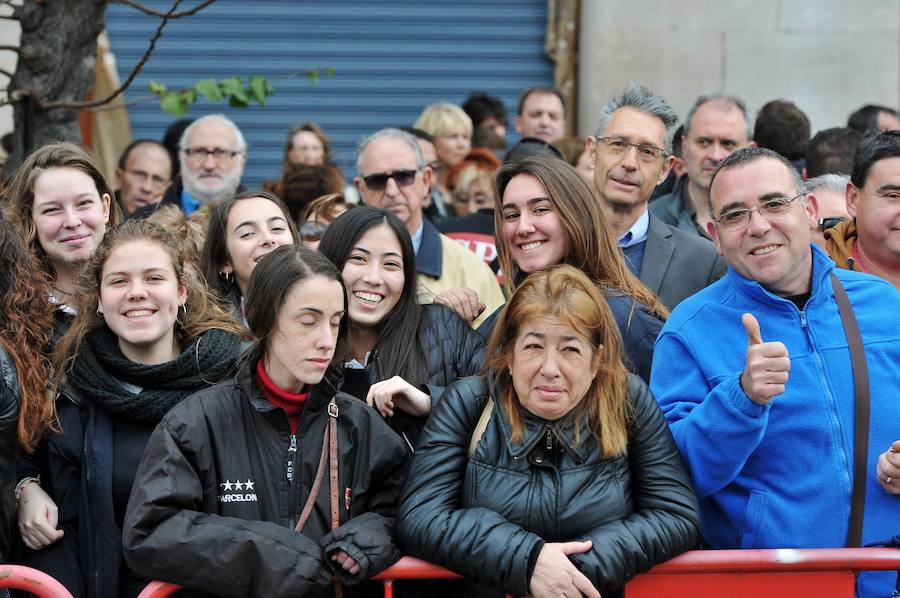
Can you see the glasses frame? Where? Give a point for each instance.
(608, 143)
(764, 209)
(198, 154)
(141, 176)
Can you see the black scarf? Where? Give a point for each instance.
(99, 366)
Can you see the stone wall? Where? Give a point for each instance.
(828, 56)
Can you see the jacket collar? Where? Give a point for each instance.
(319, 395)
(562, 431)
(822, 266)
(429, 259)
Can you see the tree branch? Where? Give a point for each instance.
(6, 73)
(131, 77)
(10, 49)
(171, 15)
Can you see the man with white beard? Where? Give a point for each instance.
(212, 152)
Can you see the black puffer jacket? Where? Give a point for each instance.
(487, 517)
(212, 507)
(452, 351)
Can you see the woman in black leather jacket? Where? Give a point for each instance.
(25, 324)
(402, 354)
(556, 474)
(546, 214)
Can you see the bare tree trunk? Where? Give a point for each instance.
(56, 63)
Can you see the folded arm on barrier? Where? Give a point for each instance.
(665, 521)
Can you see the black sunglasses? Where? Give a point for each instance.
(379, 180)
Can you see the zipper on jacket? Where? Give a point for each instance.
(292, 458)
(549, 439)
(830, 400)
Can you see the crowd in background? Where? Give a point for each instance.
(547, 367)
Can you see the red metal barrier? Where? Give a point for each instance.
(18, 577)
(807, 573)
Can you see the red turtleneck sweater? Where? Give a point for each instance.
(291, 402)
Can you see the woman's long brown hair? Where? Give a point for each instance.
(592, 248)
(26, 322)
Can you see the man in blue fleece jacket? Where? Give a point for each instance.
(754, 376)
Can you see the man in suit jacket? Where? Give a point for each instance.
(632, 154)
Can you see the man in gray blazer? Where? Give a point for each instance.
(632, 154)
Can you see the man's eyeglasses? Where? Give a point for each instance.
(826, 223)
(142, 177)
(739, 218)
(311, 231)
(197, 155)
(379, 180)
(645, 152)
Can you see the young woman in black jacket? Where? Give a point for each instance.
(554, 475)
(272, 482)
(146, 336)
(402, 354)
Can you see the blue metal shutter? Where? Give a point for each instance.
(390, 59)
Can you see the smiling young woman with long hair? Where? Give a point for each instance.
(546, 214)
(62, 206)
(402, 354)
(146, 336)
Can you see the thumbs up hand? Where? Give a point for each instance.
(766, 365)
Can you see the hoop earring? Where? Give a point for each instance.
(183, 307)
(227, 277)
(99, 313)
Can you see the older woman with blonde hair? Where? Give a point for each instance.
(451, 129)
(555, 474)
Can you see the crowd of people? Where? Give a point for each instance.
(546, 367)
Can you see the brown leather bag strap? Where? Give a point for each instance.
(861, 415)
(335, 482)
(317, 483)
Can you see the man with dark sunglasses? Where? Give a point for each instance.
(394, 176)
(825, 195)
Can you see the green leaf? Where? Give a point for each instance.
(234, 88)
(174, 103)
(329, 71)
(209, 89)
(260, 89)
(236, 102)
(313, 76)
(156, 88)
(189, 95)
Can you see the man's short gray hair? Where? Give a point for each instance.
(719, 98)
(239, 137)
(390, 133)
(835, 182)
(640, 98)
